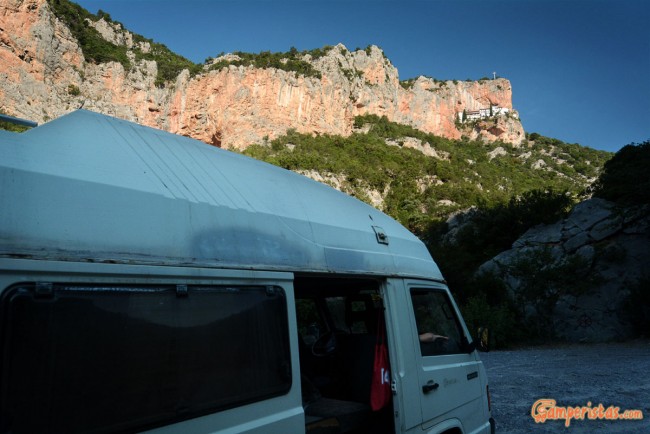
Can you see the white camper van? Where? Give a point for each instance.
(152, 282)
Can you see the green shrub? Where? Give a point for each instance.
(407, 84)
(73, 90)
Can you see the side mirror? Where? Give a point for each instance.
(483, 338)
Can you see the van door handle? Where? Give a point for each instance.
(431, 385)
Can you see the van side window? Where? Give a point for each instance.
(135, 357)
(439, 330)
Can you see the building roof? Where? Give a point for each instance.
(91, 187)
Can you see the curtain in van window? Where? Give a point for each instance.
(102, 359)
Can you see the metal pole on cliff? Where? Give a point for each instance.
(494, 74)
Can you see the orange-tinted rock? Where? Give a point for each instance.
(41, 63)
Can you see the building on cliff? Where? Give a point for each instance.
(483, 113)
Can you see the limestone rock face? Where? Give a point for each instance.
(37, 54)
(612, 244)
(43, 75)
(433, 106)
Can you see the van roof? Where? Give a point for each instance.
(92, 187)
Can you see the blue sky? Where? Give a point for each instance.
(580, 69)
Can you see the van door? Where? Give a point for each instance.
(448, 382)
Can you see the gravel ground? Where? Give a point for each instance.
(573, 375)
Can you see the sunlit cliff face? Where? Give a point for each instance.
(44, 75)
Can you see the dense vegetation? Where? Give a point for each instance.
(8, 126)
(419, 190)
(545, 203)
(485, 237)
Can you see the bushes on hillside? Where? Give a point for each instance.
(94, 47)
(289, 61)
(417, 189)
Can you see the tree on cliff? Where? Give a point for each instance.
(626, 178)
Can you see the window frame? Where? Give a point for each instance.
(455, 321)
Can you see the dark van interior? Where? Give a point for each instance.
(339, 320)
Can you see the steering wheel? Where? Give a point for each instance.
(325, 345)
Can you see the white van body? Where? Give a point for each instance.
(149, 281)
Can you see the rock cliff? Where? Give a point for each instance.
(577, 277)
(43, 75)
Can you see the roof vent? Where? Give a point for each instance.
(382, 238)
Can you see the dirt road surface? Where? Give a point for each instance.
(615, 375)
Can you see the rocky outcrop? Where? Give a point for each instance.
(432, 104)
(361, 190)
(419, 145)
(589, 262)
(39, 59)
(44, 75)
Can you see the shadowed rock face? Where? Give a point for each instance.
(611, 244)
(44, 75)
